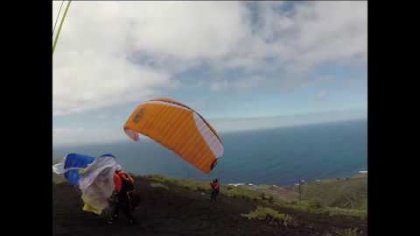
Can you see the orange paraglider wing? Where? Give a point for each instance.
(179, 128)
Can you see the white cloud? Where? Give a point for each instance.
(246, 83)
(219, 85)
(70, 136)
(188, 30)
(91, 66)
(321, 95)
(286, 47)
(331, 31)
(315, 33)
(96, 62)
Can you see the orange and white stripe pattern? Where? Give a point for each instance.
(179, 128)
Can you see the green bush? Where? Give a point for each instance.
(312, 206)
(239, 192)
(159, 185)
(157, 178)
(333, 211)
(269, 215)
(349, 232)
(346, 193)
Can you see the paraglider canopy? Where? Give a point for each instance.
(178, 128)
(70, 166)
(93, 176)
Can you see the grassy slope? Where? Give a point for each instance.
(182, 206)
(343, 193)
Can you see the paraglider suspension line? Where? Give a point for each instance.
(58, 15)
(61, 25)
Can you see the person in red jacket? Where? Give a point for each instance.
(124, 184)
(215, 186)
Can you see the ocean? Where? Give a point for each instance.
(279, 156)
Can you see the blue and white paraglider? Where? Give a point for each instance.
(93, 176)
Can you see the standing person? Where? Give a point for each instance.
(124, 184)
(215, 186)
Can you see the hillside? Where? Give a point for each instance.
(182, 207)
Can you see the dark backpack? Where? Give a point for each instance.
(134, 199)
(127, 185)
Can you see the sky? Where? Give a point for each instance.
(242, 65)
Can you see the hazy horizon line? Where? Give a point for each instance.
(147, 139)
